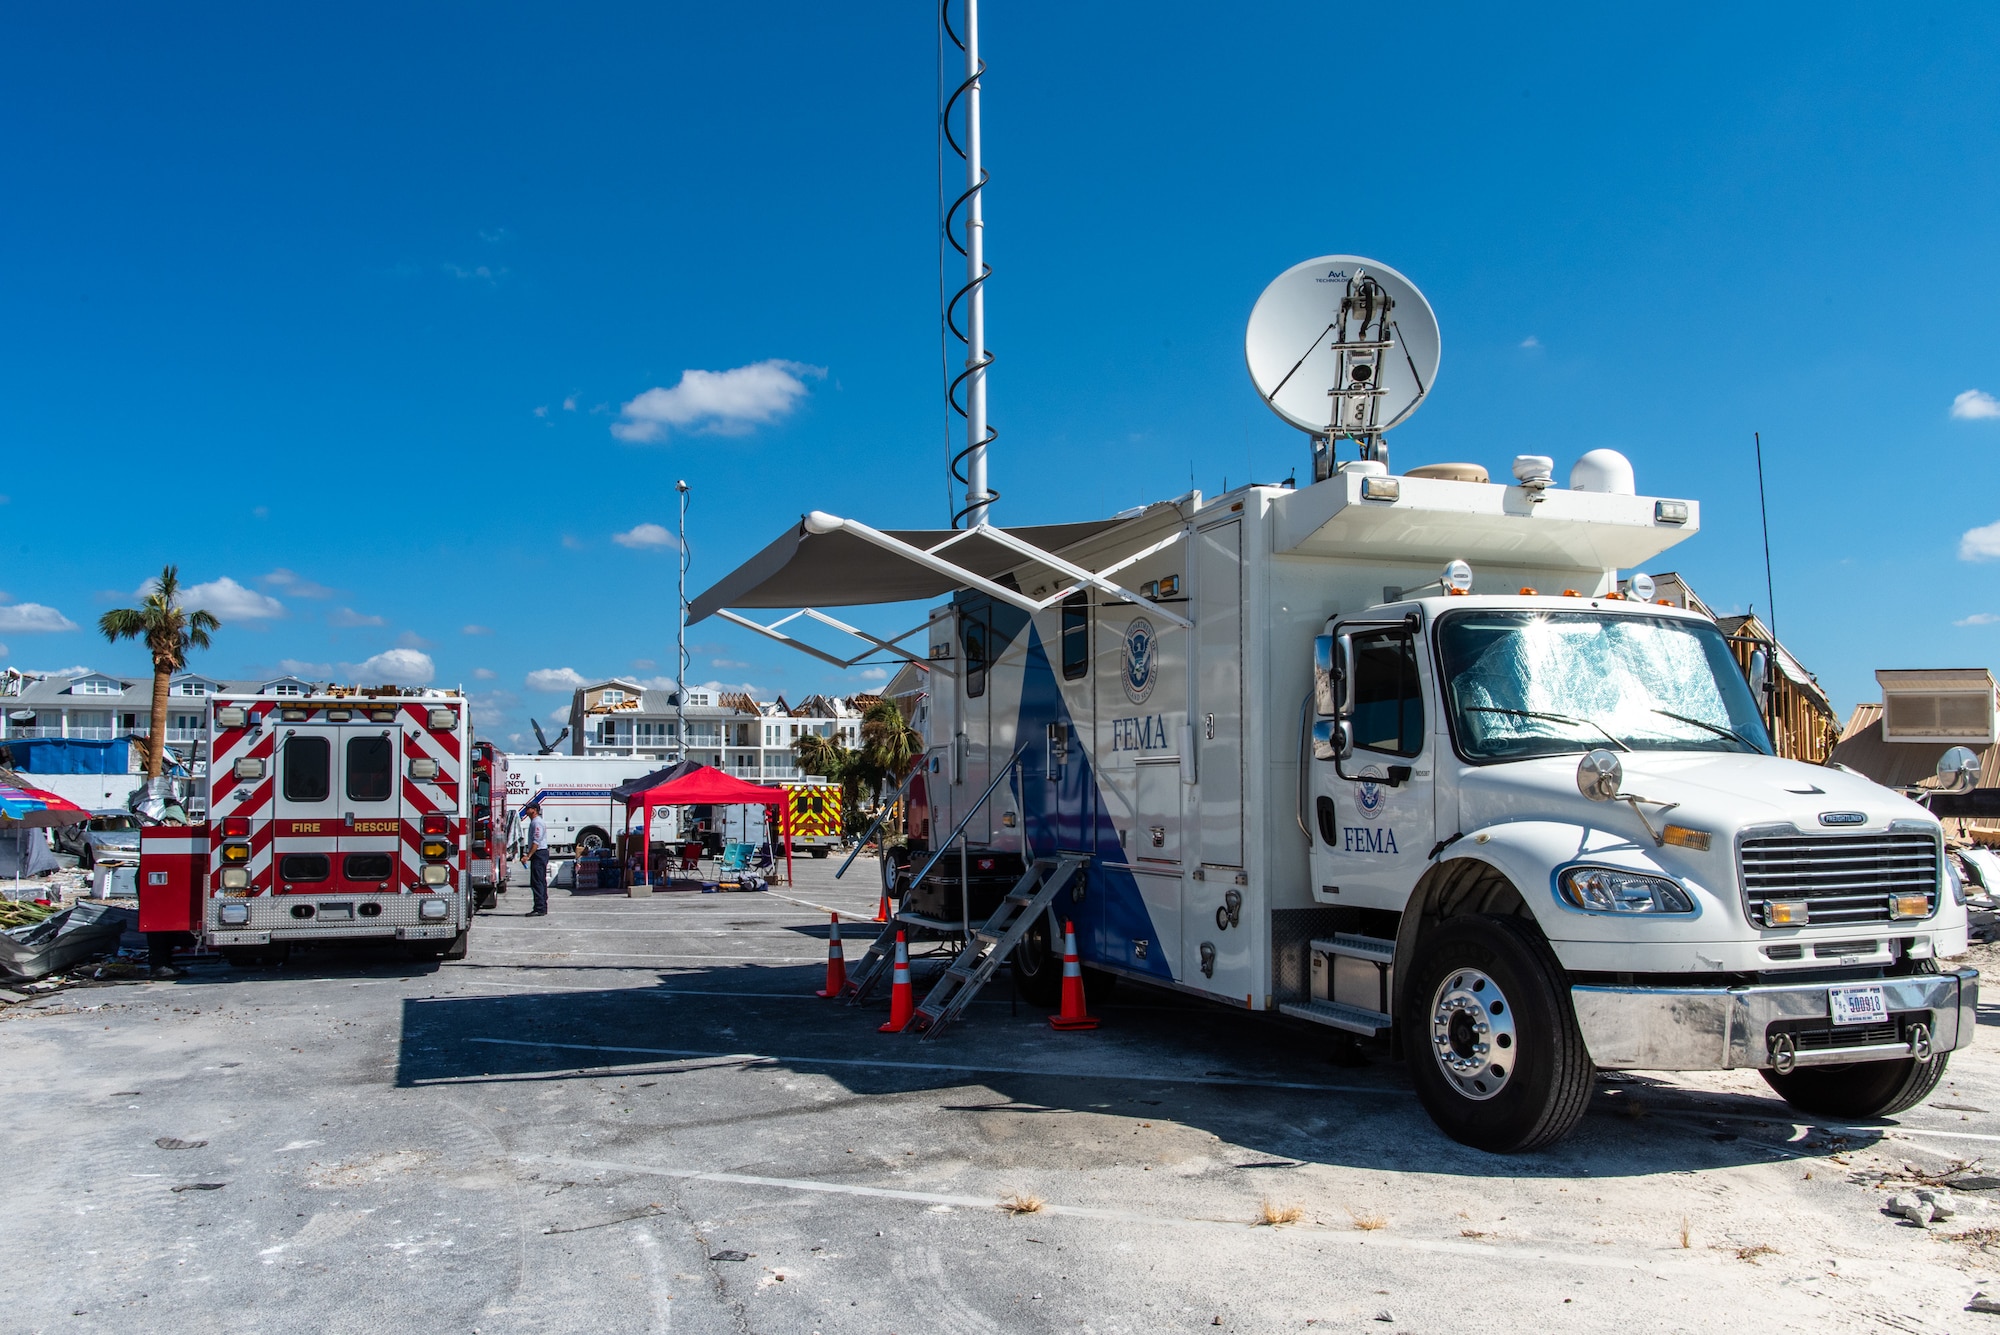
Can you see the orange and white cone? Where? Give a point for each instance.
(1072, 1015)
(836, 965)
(902, 1000)
(882, 909)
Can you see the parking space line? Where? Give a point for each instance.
(697, 1054)
(649, 955)
(1498, 1251)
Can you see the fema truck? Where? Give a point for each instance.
(1414, 757)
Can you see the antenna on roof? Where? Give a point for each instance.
(1343, 348)
(968, 466)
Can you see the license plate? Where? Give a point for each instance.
(1857, 1005)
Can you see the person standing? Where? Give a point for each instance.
(536, 856)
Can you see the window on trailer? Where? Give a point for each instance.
(1076, 635)
(974, 631)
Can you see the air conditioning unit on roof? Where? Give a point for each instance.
(1946, 706)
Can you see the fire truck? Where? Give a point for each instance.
(340, 816)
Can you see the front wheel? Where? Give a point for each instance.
(1860, 1089)
(1495, 1052)
(591, 841)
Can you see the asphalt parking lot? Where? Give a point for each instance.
(633, 1115)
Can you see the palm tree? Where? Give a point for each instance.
(169, 630)
(891, 745)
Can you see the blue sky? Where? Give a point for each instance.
(345, 307)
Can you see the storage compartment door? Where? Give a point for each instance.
(1218, 700)
(372, 831)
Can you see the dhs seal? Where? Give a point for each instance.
(1369, 798)
(1141, 660)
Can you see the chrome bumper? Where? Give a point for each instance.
(1717, 1029)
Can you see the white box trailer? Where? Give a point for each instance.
(1299, 774)
(575, 796)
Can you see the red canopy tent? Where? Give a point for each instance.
(688, 784)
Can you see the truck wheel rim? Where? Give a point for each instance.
(1472, 1033)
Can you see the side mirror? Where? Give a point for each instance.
(1958, 770)
(1326, 697)
(1333, 739)
(1760, 674)
(1599, 775)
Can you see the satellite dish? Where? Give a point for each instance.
(1342, 346)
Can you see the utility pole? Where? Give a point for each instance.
(681, 631)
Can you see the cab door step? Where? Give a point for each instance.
(1353, 1019)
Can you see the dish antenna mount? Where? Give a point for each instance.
(548, 747)
(1343, 348)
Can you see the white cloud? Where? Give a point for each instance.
(348, 617)
(3, 651)
(298, 667)
(78, 671)
(1975, 404)
(230, 601)
(402, 667)
(1978, 619)
(657, 683)
(569, 406)
(726, 663)
(1531, 342)
(33, 617)
(644, 664)
(542, 411)
(290, 582)
(718, 403)
(1977, 544)
(644, 536)
(873, 674)
(475, 629)
(555, 679)
(484, 674)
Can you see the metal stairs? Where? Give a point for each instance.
(993, 942)
(990, 945)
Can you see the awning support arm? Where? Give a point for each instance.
(875, 645)
(821, 522)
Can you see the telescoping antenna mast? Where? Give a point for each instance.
(968, 466)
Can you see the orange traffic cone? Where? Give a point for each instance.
(1072, 1015)
(836, 965)
(902, 1001)
(882, 909)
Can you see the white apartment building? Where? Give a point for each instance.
(749, 738)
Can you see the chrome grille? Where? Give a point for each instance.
(1844, 879)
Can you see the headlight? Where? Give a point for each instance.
(433, 908)
(234, 878)
(234, 915)
(1605, 890)
(436, 874)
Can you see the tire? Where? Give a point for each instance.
(1502, 992)
(253, 957)
(590, 840)
(456, 950)
(1860, 1089)
(487, 898)
(1037, 967)
(820, 851)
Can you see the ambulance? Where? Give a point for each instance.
(339, 816)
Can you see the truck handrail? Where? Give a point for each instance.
(902, 791)
(970, 812)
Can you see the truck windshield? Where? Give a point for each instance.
(1520, 684)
